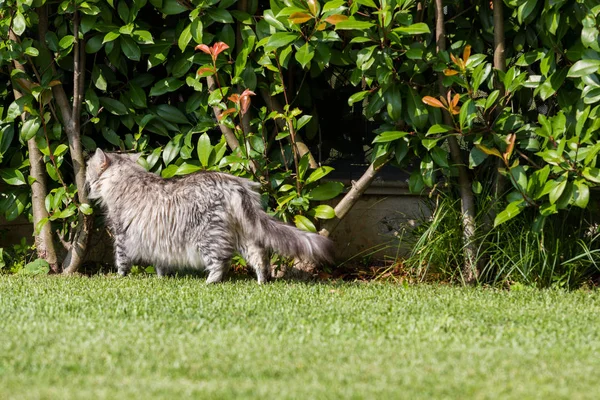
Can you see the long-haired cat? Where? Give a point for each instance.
(196, 221)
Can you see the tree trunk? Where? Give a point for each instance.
(43, 239)
(469, 270)
(71, 122)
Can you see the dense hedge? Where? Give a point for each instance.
(503, 103)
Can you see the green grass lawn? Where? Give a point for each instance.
(145, 337)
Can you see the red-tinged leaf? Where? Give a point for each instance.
(466, 53)
(235, 98)
(334, 19)
(456, 111)
(510, 139)
(433, 102)
(218, 48)
(226, 113)
(245, 100)
(248, 92)
(443, 101)
(299, 17)
(204, 48)
(450, 72)
(321, 26)
(244, 104)
(454, 59)
(455, 100)
(313, 7)
(206, 71)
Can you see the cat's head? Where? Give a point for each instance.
(103, 164)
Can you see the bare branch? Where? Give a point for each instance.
(64, 242)
(350, 199)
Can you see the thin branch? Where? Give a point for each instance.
(302, 148)
(470, 270)
(350, 199)
(229, 134)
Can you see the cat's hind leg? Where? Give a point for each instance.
(258, 258)
(217, 260)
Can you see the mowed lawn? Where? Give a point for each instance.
(145, 337)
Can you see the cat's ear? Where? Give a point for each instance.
(103, 157)
(133, 156)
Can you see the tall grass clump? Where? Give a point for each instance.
(564, 252)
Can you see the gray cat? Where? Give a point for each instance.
(196, 221)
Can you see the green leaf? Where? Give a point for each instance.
(186, 169)
(219, 15)
(137, 95)
(326, 191)
(304, 55)
(130, 48)
(204, 149)
(280, 39)
(582, 194)
(30, 128)
(94, 44)
(111, 136)
(113, 106)
(184, 38)
(439, 128)
(583, 67)
(389, 136)
(172, 149)
(414, 29)
(18, 23)
(110, 36)
(358, 97)
(171, 114)
(12, 176)
(165, 86)
(66, 42)
(557, 191)
(37, 267)
(86, 209)
(98, 78)
(393, 99)
(353, 24)
(91, 101)
(519, 178)
(591, 174)
(476, 157)
(512, 210)
(304, 223)
(318, 174)
(324, 211)
(440, 156)
(416, 112)
(525, 10)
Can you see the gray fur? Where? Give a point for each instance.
(196, 221)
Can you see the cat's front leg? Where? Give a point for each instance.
(122, 259)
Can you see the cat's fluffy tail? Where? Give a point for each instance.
(292, 242)
(279, 237)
